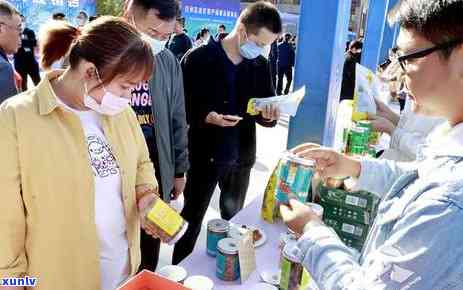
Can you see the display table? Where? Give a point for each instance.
(267, 256)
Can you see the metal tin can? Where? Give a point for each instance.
(295, 178)
(217, 229)
(173, 273)
(365, 124)
(357, 150)
(170, 224)
(228, 266)
(358, 136)
(293, 275)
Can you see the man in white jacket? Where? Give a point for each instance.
(416, 241)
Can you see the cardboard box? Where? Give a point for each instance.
(358, 201)
(351, 243)
(348, 229)
(147, 280)
(346, 214)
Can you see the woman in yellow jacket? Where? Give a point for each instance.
(74, 168)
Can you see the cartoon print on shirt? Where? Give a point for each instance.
(101, 157)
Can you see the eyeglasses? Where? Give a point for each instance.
(394, 55)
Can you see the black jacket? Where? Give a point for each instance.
(179, 45)
(348, 76)
(286, 55)
(25, 54)
(206, 90)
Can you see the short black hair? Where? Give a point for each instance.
(288, 36)
(92, 18)
(222, 26)
(261, 15)
(437, 21)
(59, 15)
(203, 32)
(7, 9)
(356, 44)
(167, 9)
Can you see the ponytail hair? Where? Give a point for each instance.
(114, 46)
(56, 39)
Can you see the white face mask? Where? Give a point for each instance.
(250, 49)
(157, 45)
(110, 104)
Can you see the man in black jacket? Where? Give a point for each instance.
(353, 56)
(24, 60)
(220, 78)
(179, 43)
(286, 59)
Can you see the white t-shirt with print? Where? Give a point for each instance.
(109, 208)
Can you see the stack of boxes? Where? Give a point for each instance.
(350, 214)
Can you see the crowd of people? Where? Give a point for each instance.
(111, 128)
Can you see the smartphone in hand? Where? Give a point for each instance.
(232, 118)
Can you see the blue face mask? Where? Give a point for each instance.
(250, 49)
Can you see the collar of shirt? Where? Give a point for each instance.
(444, 141)
(48, 100)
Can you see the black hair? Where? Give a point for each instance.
(222, 26)
(221, 36)
(288, 36)
(59, 15)
(7, 9)
(437, 21)
(167, 9)
(261, 15)
(203, 32)
(92, 18)
(356, 44)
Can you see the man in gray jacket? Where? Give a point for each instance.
(160, 108)
(10, 41)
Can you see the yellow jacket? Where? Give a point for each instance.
(47, 215)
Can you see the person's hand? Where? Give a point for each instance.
(271, 113)
(382, 110)
(179, 187)
(144, 206)
(296, 215)
(381, 124)
(329, 163)
(222, 120)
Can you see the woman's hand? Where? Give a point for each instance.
(144, 206)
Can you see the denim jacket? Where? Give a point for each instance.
(416, 241)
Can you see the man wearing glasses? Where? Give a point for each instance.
(160, 108)
(416, 241)
(10, 41)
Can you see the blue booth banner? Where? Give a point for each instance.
(38, 12)
(209, 14)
